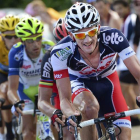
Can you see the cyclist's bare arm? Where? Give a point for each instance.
(13, 82)
(133, 65)
(64, 89)
(44, 104)
(3, 89)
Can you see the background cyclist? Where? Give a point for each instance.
(89, 63)
(7, 40)
(47, 85)
(24, 70)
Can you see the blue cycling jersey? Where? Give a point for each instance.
(29, 71)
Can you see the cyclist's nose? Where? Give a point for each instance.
(35, 44)
(87, 39)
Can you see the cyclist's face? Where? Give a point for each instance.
(10, 39)
(33, 46)
(137, 7)
(88, 44)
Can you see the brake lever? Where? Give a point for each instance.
(75, 128)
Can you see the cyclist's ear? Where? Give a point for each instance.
(99, 27)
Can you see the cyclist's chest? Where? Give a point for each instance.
(89, 66)
(30, 69)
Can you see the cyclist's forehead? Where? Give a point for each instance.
(84, 29)
(34, 35)
(9, 32)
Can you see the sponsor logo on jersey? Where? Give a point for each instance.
(18, 56)
(47, 69)
(31, 73)
(129, 53)
(104, 64)
(17, 45)
(114, 38)
(26, 66)
(64, 53)
(57, 76)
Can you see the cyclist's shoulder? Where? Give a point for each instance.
(16, 51)
(46, 44)
(66, 43)
(2, 44)
(107, 29)
(108, 34)
(18, 46)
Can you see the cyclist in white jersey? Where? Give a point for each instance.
(24, 70)
(88, 62)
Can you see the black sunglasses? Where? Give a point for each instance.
(32, 41)
(10, 37)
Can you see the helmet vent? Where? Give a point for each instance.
(68, 13)
(20, 25)
(27, 31)
(72, 26)
(30, 23)
(37, 28)
(7, 24)
(74, 11)
(85, 18)
(13, 23)
(21, 33)
(82, 9)
(61, 27)
(77, 20)
(42, 27)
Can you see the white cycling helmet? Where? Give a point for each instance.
(81, 15)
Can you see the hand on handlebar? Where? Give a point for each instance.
(18, 107)
(58, 118)
(73, 123)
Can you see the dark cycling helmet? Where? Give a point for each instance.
(60, 31)
(81, 15)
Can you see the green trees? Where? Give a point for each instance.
(56, 4)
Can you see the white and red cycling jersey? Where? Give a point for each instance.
(103, 81)
(67, 57)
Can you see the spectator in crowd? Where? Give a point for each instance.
(48, 16)
(127, 81)
(108, 16)
(137, 25)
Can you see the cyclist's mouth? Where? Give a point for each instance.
(36, 50)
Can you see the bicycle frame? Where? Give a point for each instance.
(40, 132)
